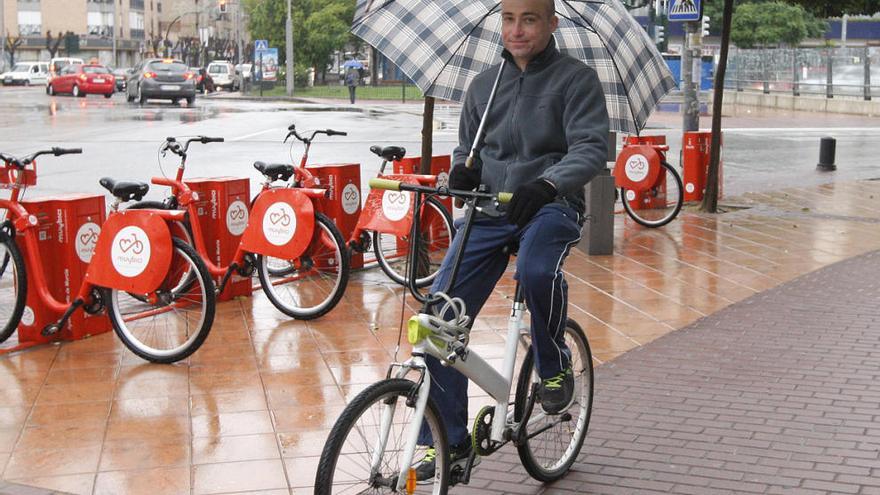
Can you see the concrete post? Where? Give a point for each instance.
(597, 236)
(795, 73)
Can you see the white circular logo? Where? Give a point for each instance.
(351, 199)
(630, 195)
(279, 223)
(237, 217)
(636, 168)
(27, 317)
(86, 238)
(395, 205)
(442, 179)
(689, 187)
(130, 253)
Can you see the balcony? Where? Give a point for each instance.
(137, 34)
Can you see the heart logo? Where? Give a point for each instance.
(394, 197)
(281, 218)
(637, 165)
(237, 213)
(89, 237)
(350, 195)
(134, 245)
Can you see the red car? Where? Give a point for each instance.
(81, 80)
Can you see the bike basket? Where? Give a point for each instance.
(10, 175)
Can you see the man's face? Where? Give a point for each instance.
(527, 26)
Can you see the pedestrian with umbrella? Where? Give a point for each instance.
(352, 77)
(535, 124)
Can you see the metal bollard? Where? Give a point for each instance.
(827, 150)
(597, 237)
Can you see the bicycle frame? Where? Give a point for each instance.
(497, 383)
(186, 199)
(24, 223)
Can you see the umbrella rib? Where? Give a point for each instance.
(463, 41)
(368, 13)
(616, 69)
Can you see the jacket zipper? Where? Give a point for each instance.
(511, 126)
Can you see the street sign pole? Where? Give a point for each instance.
(2, 34)
(691, 13)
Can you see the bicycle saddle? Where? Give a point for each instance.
(275, 171)
(389, 153)
(125, 190)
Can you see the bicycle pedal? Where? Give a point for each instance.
(50, 330)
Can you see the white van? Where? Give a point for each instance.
(223, 74)
(58, 63)
(26, 73)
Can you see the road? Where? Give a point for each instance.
(764, 149)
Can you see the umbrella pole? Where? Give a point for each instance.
(469, 163)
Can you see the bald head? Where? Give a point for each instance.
(526, 27)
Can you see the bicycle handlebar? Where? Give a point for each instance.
(396, 185)
(27, 160)
(172, 145)
(308, 140)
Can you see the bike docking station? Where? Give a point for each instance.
(67, 231)
(440, 166)
(343, 201)
(696, 154)
(222, 206)
(638, 170)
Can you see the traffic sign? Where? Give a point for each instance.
(685, 10)
(261, 45)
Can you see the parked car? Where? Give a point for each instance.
(242, 73)
(163, 79)
(81, 80)
(223, 74)
(58, 63)
(121, 75)
(26, 73)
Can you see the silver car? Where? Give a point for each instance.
(161, 79)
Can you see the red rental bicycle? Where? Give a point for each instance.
(134, 274)
(384, 223)
(297, 252)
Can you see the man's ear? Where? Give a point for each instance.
(554, 23)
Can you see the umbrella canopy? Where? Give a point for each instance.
(353, 64)
(441, 45)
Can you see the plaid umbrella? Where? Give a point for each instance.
(441, 45)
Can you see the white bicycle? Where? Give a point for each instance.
(373, 448)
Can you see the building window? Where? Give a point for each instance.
(101, 23)
(137, 4)
(159, 7)
(30, 23)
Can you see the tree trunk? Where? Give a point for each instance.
(710, 199)
(427, 135)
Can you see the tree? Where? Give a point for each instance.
(53, 44)
(320, 28)
(768, 23)
(816, 8)
(12, 45)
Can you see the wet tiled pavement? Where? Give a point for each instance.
(249, 412)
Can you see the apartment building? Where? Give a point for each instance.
(135, 22)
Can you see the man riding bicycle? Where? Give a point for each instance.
(546, 137)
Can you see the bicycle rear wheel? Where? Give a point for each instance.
(313, 284)
(171, 323)
(437, 231)
(353, 460)
(657, 206)
(548, 453)
(13, 286)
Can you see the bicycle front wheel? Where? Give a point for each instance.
(13, 286)
(313, 284)
(171, 323)
(437, 231)
(364, 449)
(552, 442)
(659, 205)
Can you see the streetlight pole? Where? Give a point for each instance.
(2, 33)
(289, 50)
(113, 27)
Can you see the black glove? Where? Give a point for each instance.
(464, 179)
(528, 199)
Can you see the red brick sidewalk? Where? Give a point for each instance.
(775, 394)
